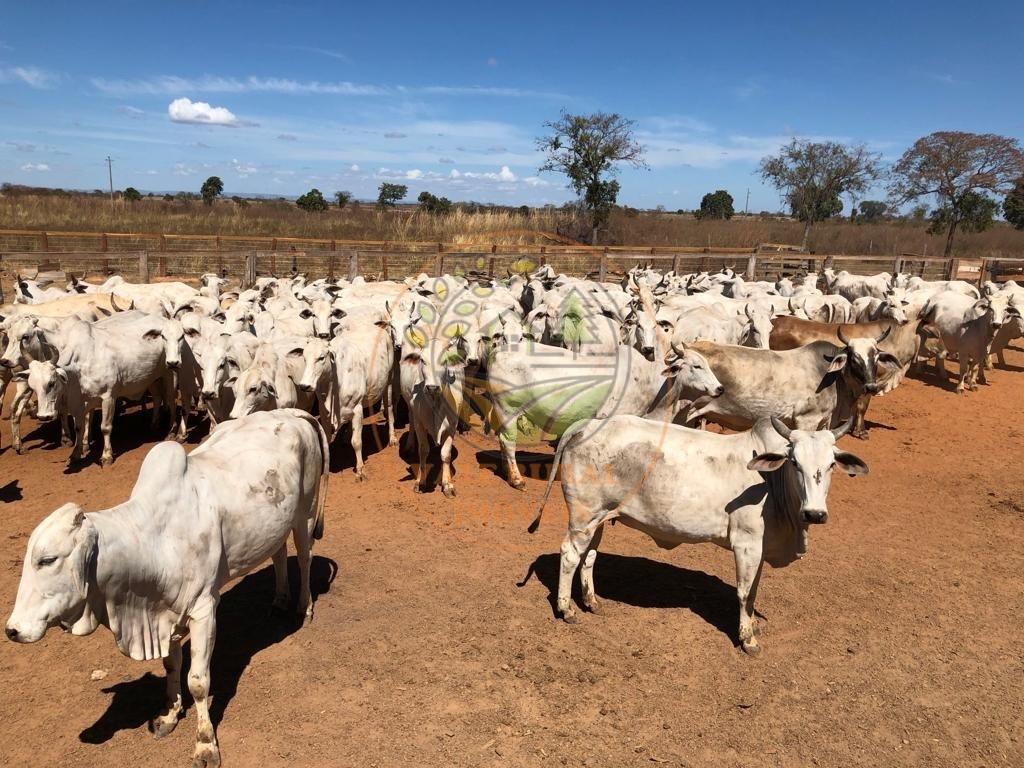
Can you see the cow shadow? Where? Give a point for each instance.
(645, 583)
(375, 440)
(132, 430)
(532, 464)
(244, 628)
(10, 492)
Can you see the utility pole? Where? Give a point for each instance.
(110, 176)
(746, 208)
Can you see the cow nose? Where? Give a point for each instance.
(174, 364)
(816, 515)
(11, 632)
(6, 363)
(209, 394)
(647, 350)
(305, 387)
(433, 388)
(872, 387)
(719, 391)
(324, 336)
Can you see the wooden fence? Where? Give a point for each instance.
(242, 259)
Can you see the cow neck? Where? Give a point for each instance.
(785, 531)
(132, 582)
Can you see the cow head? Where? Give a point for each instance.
(22, 333)
(172, 335)
(860, 358)
(691, 374)
(219, 368)
(429, 361)
(758, 328)
(814, 456)
(318, 361)
(55, 578)
(894, 309)
(48, 383)
(254, 391)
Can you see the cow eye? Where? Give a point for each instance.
(414, 358)
(43, 562)
(252, 390)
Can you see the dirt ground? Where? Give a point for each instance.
(891, 643)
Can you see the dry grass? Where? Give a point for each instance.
(283, 219)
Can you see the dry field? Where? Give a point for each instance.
(284, 219)
(891, 643)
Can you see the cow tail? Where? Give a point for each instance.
(567, 438)
(321, 494)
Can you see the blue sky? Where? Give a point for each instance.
(450, 96)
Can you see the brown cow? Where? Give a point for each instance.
(897, 345)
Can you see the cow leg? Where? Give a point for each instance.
(965, 373)
(171, 398)
(507, 433)
(447, 443)
(860, 411)
(281, 595)
(357, 440)
(389, 410)
(422, 452)
(587, 572)
(106, 427)
(576, 543)
(304, 554)
(165, 723)
(979, 370)
(203, 630)
(22, 394)
(748, 576)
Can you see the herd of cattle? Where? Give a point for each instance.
(611, 371)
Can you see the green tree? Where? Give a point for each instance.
(389, 194)
(1013, 205)
(432, 204)
(956, 167)
(814, 175)
(212, 188)
(131, 194)
(976, 214)
(312, 201)
(343, 198)
(871, 210)
(716, 205)
(588, 149)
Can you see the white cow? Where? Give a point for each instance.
(754, 493)
(152, 569)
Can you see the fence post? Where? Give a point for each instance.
(44, 241)
(330, 263)
(896, 264)
(103, 242)
(601, 266)
(751, 266)
(675, 264)
(384, 263)
(144, 267)
(490, 266)
(353, 266)
(249, 273)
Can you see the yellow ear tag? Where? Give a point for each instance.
(456, 329)
(417, 337)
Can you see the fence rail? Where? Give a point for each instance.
(397, 261)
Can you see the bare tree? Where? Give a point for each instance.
(586, 148)
(812, 176)
(955, 167)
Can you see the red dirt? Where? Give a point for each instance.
(891, 643)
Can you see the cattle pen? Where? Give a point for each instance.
(436, 640)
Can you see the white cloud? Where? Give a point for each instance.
(505, 175)
(131, 111)
(172, 84)
(185, 110)
(243, 169)
(354, 168)
(180, 169)
(30, 76)
(35, 167)
(21, 146)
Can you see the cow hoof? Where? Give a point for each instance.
(107, 462)
(19, 449)
(448, 490)
(393, 442)
(570, 617)
(163, 726)
(360, 476)
(862, 435)
(519, 485)
(751, 648)
(206, 756)
(595, 606)
(66, 442)
(418, 488)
